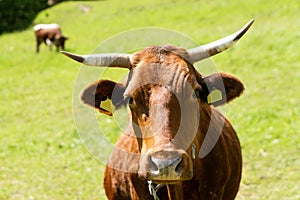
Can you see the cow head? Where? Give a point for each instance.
(60, 41)
(168, 99)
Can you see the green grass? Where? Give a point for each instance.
(41, 154)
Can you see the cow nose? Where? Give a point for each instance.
(165, 161)
(167, 165)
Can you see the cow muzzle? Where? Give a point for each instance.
(166, 166)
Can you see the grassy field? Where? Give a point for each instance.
(41, 154)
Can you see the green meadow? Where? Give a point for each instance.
(41, 153)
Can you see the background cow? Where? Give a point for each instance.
(177, 145)
(49, 34)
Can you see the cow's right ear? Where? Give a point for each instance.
(100, 91)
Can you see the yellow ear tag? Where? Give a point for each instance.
(107, 107)
(214, 96)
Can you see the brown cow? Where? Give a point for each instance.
(49, 34)
(177, 145)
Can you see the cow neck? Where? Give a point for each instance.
(174, 191)
(153, 189)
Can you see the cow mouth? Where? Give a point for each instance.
(165, 177)
(165, 182)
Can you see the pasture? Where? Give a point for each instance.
(41, 154)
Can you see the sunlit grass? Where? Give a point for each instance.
(41, 154)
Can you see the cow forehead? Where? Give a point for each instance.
(165, 66)
(154, 53)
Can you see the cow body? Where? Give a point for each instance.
(177, 145)
(49, 34)
(216, 176)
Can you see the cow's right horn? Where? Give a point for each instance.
(108, 59)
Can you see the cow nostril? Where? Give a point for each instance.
(152, 166)
(179, 167)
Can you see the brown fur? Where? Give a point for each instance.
(161, 89)
(54, 35)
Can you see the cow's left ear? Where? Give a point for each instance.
(221, 88)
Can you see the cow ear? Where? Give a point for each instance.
(221, 88)
(97, 94)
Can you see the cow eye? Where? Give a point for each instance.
(197, 94)
(129, 100)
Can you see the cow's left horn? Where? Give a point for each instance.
(213, 48)
(108, 59)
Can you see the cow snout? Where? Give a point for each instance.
(166, 166)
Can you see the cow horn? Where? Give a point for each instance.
(213, 48)
(108, 59)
